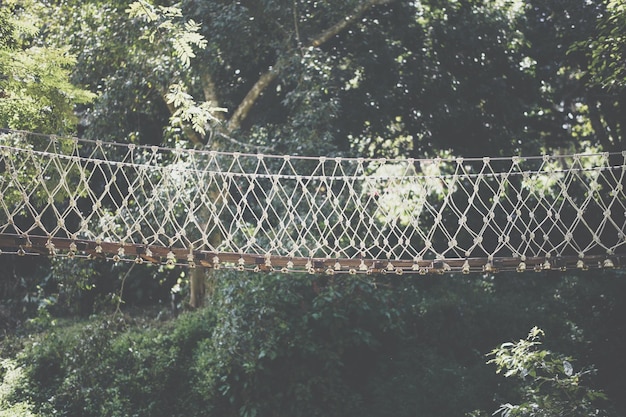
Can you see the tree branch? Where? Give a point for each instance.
(343, 23)
(267, 77)
(248, 101)
(210, 91)
(598, 126)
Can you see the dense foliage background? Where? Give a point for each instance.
(356, 78)
(304, 345)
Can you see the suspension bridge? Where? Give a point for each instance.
(64, 196)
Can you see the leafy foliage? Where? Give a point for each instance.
(35, 91)
(183, 37)
(12, 378)
(551, 388)
(188, 112)
(35, 94)
(104, 367)
(312, 345)
(608, 50)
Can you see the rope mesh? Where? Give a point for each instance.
(73, 197)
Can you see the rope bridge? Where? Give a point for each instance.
(81, 198)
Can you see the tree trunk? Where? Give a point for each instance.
(197, 286)
(198, 276)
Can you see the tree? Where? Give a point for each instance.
(35, 90)
(185, 109)
(36, 94)
(605, 76)
(363, 78)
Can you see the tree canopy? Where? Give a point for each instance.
(362, 78)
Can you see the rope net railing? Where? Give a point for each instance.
(73, 197)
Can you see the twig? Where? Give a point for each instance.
(295, 23)
(119, 299)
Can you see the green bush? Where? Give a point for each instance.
(109, 367)
(550, 385)
(11, 379)
(308, 345)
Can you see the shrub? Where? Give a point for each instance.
(112, 367)
(12, 378)
(551, 387)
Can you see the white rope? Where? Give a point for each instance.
(339, 209)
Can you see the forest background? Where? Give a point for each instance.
(368, 78)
